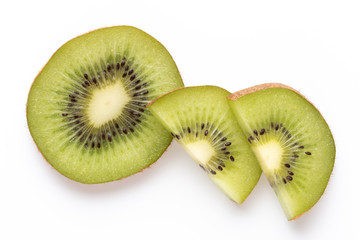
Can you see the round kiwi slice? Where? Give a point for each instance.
(86, 109)
(291, 141)
(200, 119)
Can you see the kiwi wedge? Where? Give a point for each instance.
(86, 109)
(200, 119)
(291, 140)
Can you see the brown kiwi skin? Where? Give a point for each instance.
(26, 111)
(259, 87)
(236, 95)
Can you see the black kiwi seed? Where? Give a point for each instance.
(215, 137)
(284, 180)
(308, 153)
(262, 131)
(202, 167)
(289, 178)
(64, 114)
(255, 132)
(222, 164)
(86, 76)
(277, 127)
(287, 165)
(290, 173)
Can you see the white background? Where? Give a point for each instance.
(313, 46)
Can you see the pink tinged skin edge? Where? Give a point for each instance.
(236, 95)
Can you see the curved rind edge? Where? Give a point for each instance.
(259, 87)
(236, 95)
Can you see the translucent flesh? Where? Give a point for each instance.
(196, 115)
(126, 154)
(300, 176)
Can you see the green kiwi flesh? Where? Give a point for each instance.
(86, 109)
(291, 140)
(200, 119)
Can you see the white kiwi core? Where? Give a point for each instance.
(270, 155)
(107, 104)
(201, 151)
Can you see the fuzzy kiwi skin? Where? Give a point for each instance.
(64, 58)
(326, 147)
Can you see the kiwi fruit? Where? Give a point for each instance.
(291, 140)
(86, 109)
(200, 119)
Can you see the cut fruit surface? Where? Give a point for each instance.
(86, 109)
(291, 141)
(200, 119)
